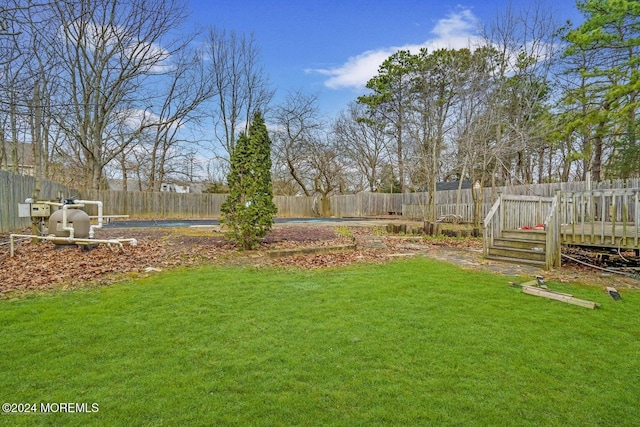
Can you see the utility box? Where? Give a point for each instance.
(34, 210)
(24, 210)
(40, 210)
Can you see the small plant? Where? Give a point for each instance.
(379, 231)
(344, 231)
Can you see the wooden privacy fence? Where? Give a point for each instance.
(463, 212)
(147, 204)
(15, 189)
(186, 205)
(373, 204)
(297, 206)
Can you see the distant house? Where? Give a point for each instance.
(174, 188)
(26, 165)
(452, 185)
(449, 185)
(118, 184)
(166, 187)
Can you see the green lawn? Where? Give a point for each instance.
(413, 342)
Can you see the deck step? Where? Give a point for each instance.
(517, 253)
(536, 235)
(534, 263)
(520, 244)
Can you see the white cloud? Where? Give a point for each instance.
(357, 70)
(456, 31)
(135, 119)
(151, 57)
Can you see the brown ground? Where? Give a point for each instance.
(42, 266)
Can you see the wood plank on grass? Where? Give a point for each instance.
(530, 290)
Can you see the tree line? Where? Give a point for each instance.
(101, 88)
(110, 88)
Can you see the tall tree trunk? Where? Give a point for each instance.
(3, 150)
(399, 129)
(96, 175)
(596, 168)
(13, 144)
(36, 143)
(541, 165)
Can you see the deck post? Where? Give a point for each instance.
(553, 256)
(558, 240)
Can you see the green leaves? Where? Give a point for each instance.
(606, 53)
(249, 210)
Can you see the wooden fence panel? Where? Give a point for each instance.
(146, 204)
(296, 206)
(15, 189)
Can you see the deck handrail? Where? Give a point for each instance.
(492, 226)
(492, 212)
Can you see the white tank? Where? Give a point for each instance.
(76, 218)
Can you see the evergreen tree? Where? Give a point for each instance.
(249, 210)
(606, 51)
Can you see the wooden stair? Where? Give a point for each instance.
(521, 247)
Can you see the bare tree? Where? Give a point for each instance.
(326, 170)
(241, 85)
(12, 13)
(108, 50)
(363, 141)
(188, 87)
(297, 125)
(524, 42)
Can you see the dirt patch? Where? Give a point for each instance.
(43, 266)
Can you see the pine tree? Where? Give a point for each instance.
(249, 209)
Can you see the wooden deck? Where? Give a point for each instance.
(601, 218)
(601, 234)
(598, 218)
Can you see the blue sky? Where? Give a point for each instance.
(332, 47)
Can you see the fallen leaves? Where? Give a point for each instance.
(41, 266)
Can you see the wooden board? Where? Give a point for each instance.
(530, 290)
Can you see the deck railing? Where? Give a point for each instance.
(524, 211)
(553, 251)
(610, 218)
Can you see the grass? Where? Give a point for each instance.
(413, 342)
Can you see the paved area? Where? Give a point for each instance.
(472, 259)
